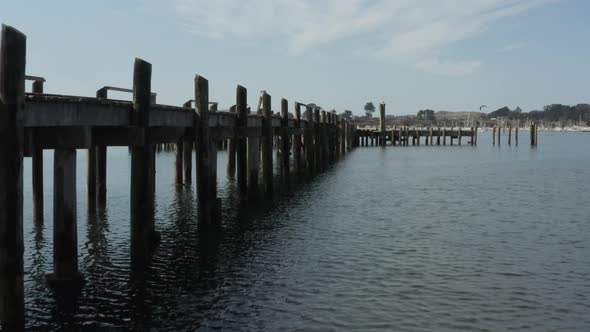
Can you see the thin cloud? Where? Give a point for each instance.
(410, 32)
(511, 47)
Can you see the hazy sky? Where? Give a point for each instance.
(412, 54)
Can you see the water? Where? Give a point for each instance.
(405, 238)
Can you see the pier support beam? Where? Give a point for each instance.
(178, 163)
(143, 234)
(382, 124)
(12, 93)
(253, 163)
(101, 176)
(241, 144)
(91, 180)
(267, 139)
(231, 153)
(309, 140)
(37, 170)
(285, 147)
(206, 185)
(187, 161)
(494, 136)
(65, 234)
(297, 139)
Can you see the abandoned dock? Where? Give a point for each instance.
(307, 139)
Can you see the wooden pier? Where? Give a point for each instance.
(411, 136)
(33, 122)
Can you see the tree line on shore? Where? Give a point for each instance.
(554, 115)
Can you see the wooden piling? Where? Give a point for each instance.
(91, 179)
(178, 163)
(12, 93)
(297, 139)
(285, 137)
(267, 138)
(203, 142)
(499, 130)
(241, 143)
(494, 135)
(438, 136)
(187, 161)
(325, 140)
(253, 163)
(65, 235)
(231, 156)
(516, 135)
(142, 193)
(37, 170)
(101, 176)
(309, 140)
(459, 136)
(451, 136)
(382, 124)
(317, 147)
(509, 135)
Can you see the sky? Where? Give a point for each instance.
(452, 55)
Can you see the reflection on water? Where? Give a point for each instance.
(401, 238)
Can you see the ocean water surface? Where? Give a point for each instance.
(424, 238)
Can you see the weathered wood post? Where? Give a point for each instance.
(459, 135)
(536, 135)
(499, 130)
(285, 137)
(178, 163)
(231, 150)
(343, 124)
(309, 140)
(417, 135)
(241, 143)
(297, 138)
(187, 150)
(472, 136)
(532, 134)
(206, 186)
(65, 235)
(253, 161)
(494, 135)
(438, 136)
(324, 137)
(445, 136)
(37, 166)
(97, 168)
(451, 136)
(318, 140)
(267, 138)
(213, 168)
(431, 138)
(516, 135)
(336, 124)
(382, 124)
(509, 135)
(143, 234)
(12, 99)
